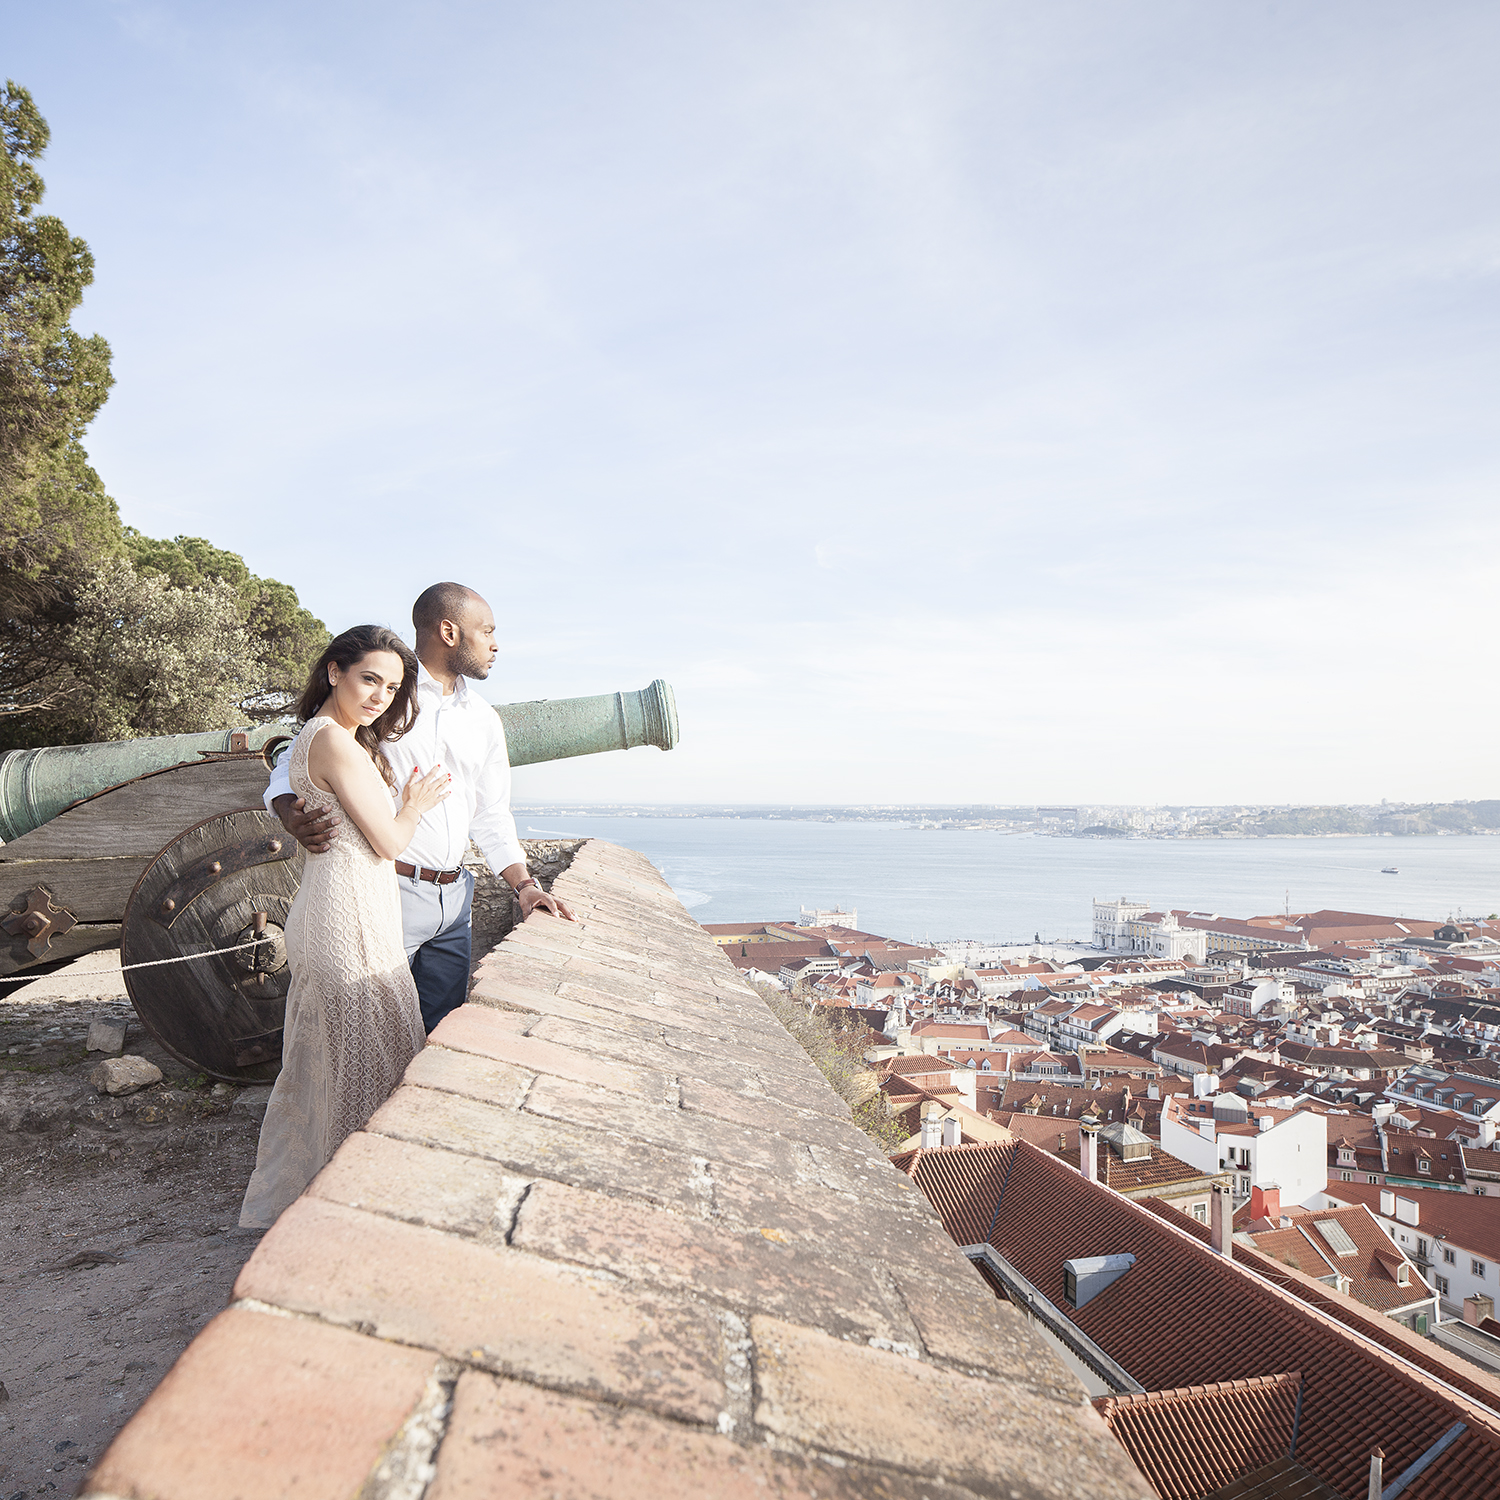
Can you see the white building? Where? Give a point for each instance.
(1253, 994)
(1112, 920)
(1120, 926)
(836, 917)
(1263, 1147)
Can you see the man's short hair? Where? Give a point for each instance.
(443, 601)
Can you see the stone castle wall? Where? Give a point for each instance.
(613, 1235)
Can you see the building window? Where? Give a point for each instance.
(1449, 1256)
(1347, 1176)
(1477, 1267)
(1441, 1283)
(1372, 1177)
(1423, 1165)
(1200, 1212)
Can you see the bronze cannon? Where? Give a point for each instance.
(163, 847)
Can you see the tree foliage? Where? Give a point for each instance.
(104, 632)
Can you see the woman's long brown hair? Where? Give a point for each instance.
(345, 652)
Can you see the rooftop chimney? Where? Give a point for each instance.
(1377, 1465)
(1477, 1308)
(1088, 1146)
(932, 1125)
(953, 1131)
(1265, 1122)
(1221, 1221)
(1265, 1203)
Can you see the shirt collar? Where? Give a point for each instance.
(427, 683)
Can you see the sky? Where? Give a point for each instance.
(954, 402)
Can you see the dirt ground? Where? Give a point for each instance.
(118, 1236)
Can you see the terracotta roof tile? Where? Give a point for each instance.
(1192, 1439)
(1037, 1212)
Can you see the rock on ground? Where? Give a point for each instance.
(105, 1036)
(124, 1075)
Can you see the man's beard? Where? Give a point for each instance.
(469, 661)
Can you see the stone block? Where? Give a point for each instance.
(538, 1004)
(418, 1184)
(693, 1135)
(124, 1075)
(880, 1407)
(961, 1320)
(507, 1440)
(263, 1405)
(492, 1307)
(106, 1036)
(757, 1270)
(474, 1028)
(542, 1147)
(438, 1067)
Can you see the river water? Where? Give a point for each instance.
(907, 882)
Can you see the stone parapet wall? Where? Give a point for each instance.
(613, 1236)
(496, 910)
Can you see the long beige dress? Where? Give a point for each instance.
(353, 1021)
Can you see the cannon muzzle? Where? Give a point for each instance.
(557, 728)
(36, 785)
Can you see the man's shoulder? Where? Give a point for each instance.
(481, 712)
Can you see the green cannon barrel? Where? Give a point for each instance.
(36, 785)
(557, 728)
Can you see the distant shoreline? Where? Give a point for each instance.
(973, 819)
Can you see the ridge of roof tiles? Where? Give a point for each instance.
(1242, 1324)
(613, 1234)
(1191, 1439)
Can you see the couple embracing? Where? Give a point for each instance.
(378, 938)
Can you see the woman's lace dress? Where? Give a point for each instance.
(352, 1017)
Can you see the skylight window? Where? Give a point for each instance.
(1336, 1236)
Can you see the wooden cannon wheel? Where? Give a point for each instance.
(221, 883)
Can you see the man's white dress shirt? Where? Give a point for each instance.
(464, 734)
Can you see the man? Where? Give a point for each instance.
(457, 729)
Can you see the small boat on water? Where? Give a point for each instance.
(1390, 870)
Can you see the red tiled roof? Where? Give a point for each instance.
(1037, 1212)
(1467, 1219)
(1155, 1174)
(1406, 1154)
(1371, 1269)
(1192, 1440)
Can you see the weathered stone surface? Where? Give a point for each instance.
(496, 1308)
(124, 1075)
(764, 1268)
(881, 1407)
(262, 1405)
(490, 1033)
(439, 1067)
(507, 1440)
(620, 1207)
(437, 1188)
(106, 1036)
(543, 1148)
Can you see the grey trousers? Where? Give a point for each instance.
(435, 924)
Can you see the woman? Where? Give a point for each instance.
(352, 1018)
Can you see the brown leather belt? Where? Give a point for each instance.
(437, 877)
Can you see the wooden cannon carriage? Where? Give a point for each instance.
(163, 847)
